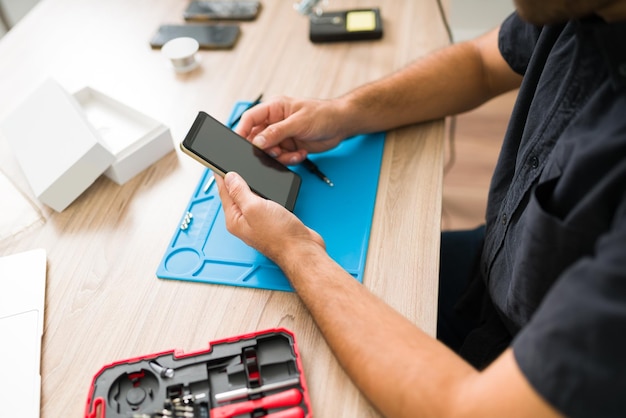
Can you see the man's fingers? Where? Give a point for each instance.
(227, 202)
(255, 116)
(234, 193)
(255, 127)
(292, 158)
(232, 190)
(238, 189)
(274, 134)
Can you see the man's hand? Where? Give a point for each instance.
(260, 223)
(289, 129)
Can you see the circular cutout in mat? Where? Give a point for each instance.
(182, 260)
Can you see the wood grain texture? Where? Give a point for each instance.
(103, 301)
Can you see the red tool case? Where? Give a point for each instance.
(249, 376)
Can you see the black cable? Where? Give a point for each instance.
(444, 20)
(452, 119)
(452, 125)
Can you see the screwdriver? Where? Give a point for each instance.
(295, 412)
(313, 168)
(282, 399)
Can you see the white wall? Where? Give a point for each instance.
(470, 18)
(14, 10)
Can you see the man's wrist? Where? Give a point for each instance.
(343, 114)
(297, 255)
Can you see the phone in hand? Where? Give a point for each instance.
(222, 10)
(219, 148)
(208, 35)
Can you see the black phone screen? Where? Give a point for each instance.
(222, 150)
(209, 36)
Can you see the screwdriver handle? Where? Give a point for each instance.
(295, 412)
(282, 399)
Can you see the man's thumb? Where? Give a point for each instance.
(238, 189)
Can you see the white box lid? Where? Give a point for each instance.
(56, 147)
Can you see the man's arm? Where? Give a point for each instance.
(449, 81)
(402, 371)
(452, 80)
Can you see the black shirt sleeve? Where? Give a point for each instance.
(517, 41)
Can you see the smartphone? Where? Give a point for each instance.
(209, 36)
(222, 150)
(222, 10)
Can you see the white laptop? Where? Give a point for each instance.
(22, 297)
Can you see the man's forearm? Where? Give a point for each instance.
(452, 80)
(398, 367)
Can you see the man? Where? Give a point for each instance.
(545, 307)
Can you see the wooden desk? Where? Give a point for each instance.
(104, 302)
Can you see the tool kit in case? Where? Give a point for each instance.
(249, 376)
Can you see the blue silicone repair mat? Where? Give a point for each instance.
(202, 250)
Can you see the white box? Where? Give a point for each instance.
(135, 140)
(63, 143)
(57, 149)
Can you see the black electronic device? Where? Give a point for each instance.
(208, 35)
(222, 150)
(222, 10)
(346, 25)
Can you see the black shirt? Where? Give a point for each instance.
(554, 259)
